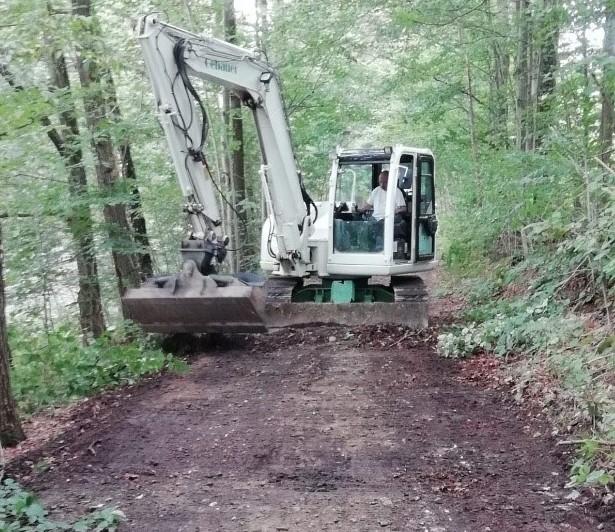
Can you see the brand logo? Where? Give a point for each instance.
(224, 66)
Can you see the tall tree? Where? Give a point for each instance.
(538, 26)
(607, 89)
(499, 71)
(235, 143)
(548, 63)
(79, 216)
(11, 431)
(262, 22)
(129, 172)
(523, 73)
(95, 78)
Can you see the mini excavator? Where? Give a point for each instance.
(326, 261)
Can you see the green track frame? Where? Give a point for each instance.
(343, 291)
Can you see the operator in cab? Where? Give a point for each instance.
(378, 198)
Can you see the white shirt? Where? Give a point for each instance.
(378, 200)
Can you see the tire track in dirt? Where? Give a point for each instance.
(322, 433)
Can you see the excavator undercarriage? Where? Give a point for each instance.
(407, 305)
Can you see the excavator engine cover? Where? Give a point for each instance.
(194, 303)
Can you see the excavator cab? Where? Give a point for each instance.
(401, 236)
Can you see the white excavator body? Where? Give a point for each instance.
(321, 257)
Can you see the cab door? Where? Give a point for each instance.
(426, 222)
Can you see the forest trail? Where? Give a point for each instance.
(323, 429)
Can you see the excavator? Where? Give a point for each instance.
(325, 261)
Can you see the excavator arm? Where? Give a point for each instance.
(198, 299)
(173, 57)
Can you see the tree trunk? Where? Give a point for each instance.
(11, 432)
(95, 81)
(522, 74)
(607, 115)
(262, 28)
(234, 132)
(547, 66)
(500, 77)
(262, 23)
(137, 219)
(79, 219)
(586, 99)
(471, 116)
(238, 179)
(226, 181)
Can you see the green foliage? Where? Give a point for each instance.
(595, 465)
(57, 366)
(461, 343)
(326, 80)
(568, 278)
(21, 511)
(519, 327)
(583, 473)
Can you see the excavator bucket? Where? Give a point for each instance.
(193, 303)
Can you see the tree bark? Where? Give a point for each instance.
(523, 75)
(586, 98)
(500, 76)
(262, 29)
(234, 128)
(95, 80)
(262, 23)
(607, 115)
(230, 218)
(547, 67)
(79, 219)
(11, 431)
(137, 219)
(129, 172)
(471, 117)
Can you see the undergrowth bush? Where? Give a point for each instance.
(557, 359)
(56, 366)
(524, 326)
(21, 511)
(559, 324)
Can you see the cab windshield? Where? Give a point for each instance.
(352, 232)
(354, 184)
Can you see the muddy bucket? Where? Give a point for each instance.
(193, 303)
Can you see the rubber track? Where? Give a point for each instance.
(409, 289)
(280, 290)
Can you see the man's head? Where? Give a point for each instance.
(383, 179)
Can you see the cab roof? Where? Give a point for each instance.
(374, 155)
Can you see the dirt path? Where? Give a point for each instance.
(333, 431)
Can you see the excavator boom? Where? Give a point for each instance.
(198, 300)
